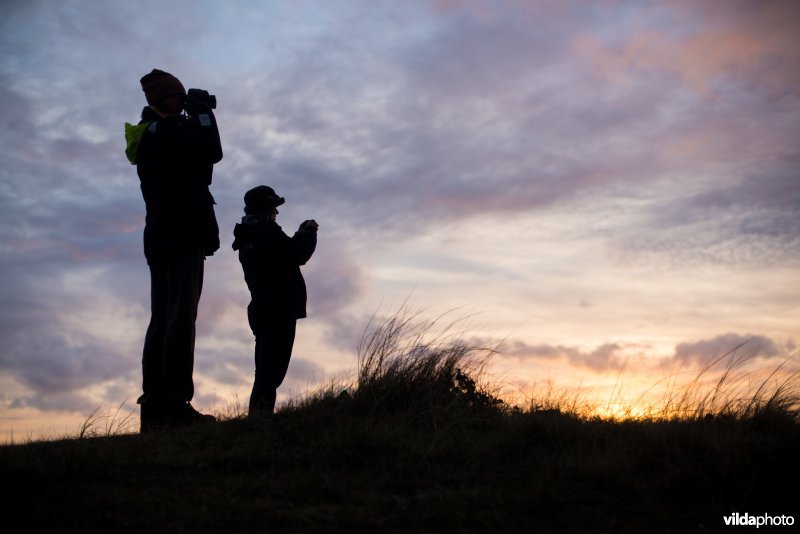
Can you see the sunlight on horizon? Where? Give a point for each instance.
(737, 390)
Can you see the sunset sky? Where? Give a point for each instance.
(604, 187)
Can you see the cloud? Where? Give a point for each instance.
(709, 351)
(754, 219)
(344, 331)
(333, 279)
(57, 343)
(706, 42)
(459, 122)
(615, 356)
(609, 356)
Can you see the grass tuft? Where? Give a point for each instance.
(406, 364)
(108, 423)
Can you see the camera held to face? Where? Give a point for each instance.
(200, 96)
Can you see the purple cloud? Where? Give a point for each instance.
(721, 347)
(612, 356)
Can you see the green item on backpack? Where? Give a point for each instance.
(133, 136)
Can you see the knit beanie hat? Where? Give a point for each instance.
(261, 197)
(157, 85)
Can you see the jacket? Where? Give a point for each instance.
(174, 159)
(271, 263)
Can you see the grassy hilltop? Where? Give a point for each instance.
(415, 445)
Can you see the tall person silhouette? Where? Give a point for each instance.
(174, 147)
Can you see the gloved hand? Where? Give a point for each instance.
(309, 225)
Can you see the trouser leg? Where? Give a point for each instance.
(153, 352)
(176, 282)
(185, 281)
(274, 343)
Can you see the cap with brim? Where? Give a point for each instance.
(262, 197)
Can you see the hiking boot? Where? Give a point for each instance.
(184, 414)
(152, 416)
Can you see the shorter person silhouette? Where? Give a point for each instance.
(271, 263)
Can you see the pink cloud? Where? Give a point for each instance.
(753, 41)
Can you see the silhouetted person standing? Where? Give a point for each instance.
(174, 155)
(271, 262)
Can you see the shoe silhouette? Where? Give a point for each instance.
(156, 416)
